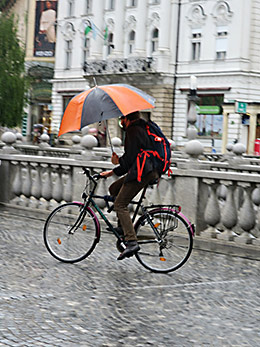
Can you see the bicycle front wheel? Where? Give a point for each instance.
(173, 246)
(71, 232)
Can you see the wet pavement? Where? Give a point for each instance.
(213, 300)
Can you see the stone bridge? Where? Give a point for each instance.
(219, 193)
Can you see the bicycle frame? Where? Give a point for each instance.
(89, 200)
(155, 227)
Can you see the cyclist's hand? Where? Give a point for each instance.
(115, 158)
(106, 173)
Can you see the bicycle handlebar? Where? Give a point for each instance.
(93, 178)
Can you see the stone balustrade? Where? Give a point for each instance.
(221, 198)
(223, 205)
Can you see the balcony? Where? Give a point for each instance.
(119, 66)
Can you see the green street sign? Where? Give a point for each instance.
(208, 109)
(241, 107)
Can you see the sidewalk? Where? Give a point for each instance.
(211, 301)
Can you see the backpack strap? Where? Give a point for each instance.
(139, 167)
(145, 154)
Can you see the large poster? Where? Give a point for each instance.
(45, 28)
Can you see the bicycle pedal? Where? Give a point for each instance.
(110, 209)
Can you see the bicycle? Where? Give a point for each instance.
(72, 230)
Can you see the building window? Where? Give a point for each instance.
(111, 4)
(131, 42)
(132, 3)
(86, 51)
(155, 39)
(88, 8)
(195, 45)
(155, 2)
(221, 42)
(71, 8)
(68, 54)
(110, 44)
(209, 116)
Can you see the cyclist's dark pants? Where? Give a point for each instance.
(125, 192)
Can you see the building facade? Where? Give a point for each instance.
(37, 31)
(157, 45)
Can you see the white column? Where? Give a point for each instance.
(119, 24)
(165, 24)
(97, 44)
(140, 36)
(163, 53)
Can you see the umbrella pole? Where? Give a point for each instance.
(112, 149)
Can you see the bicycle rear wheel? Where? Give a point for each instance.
(71, 232)
(174, 246)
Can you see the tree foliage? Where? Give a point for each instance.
(12, 77)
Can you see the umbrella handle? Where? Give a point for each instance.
(112, 149)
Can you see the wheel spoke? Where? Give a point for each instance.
(174, 247)
(70, 233)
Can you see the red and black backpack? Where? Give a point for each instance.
(160, 154)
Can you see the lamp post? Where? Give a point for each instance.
(192, 114)
(193, 147)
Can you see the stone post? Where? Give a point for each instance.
(193, 147)
(9, 139)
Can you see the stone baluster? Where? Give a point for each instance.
(256, 201)
(229, 213)
(247, 218)
(67, 183)
(26, 181)
(212, 211)
(36, 183)
(102, 189)
(57, 192)
(47, 185)
(17, 184)
(222, 192)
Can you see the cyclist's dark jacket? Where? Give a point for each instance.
(135, 140)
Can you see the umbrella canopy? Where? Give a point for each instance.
(101, 103)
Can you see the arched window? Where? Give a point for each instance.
(71, 8)
(86, 49)
(133, 3)
(131, 42)
(68, 52)
(110, 44)
(88, 4)
(155, 39)
(111, 4)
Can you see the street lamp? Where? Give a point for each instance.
(192, 114)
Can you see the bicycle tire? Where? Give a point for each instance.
(177, 240)
(70, 233)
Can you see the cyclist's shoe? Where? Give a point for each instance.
(131, 248)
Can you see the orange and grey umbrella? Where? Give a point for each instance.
(101, 103)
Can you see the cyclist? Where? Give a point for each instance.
(127, 187)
